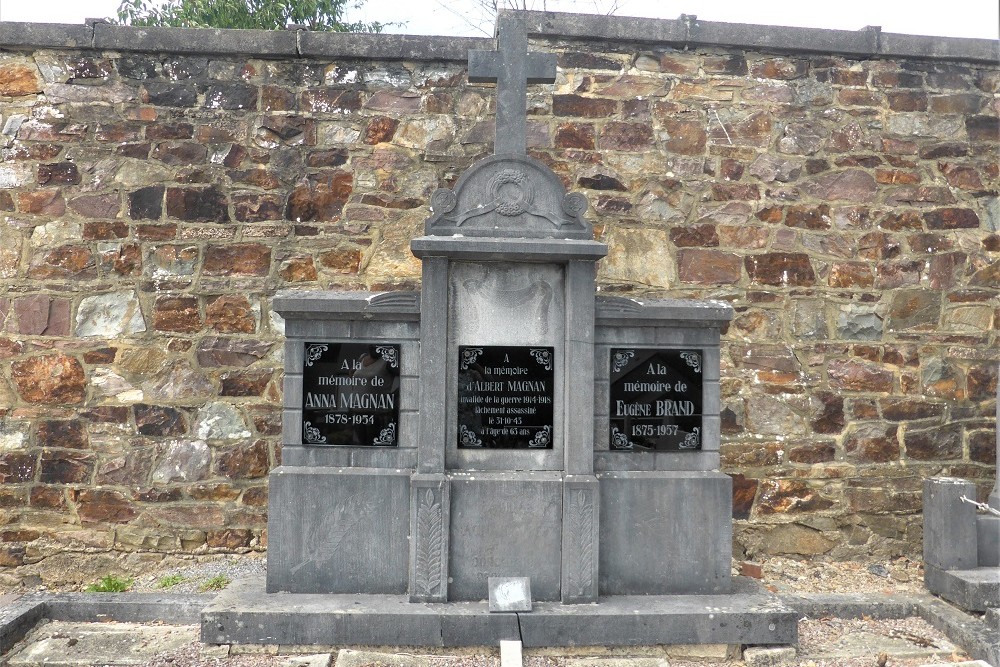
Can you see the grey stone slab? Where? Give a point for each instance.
(127, 607)
(617, 28)
(17, 619)
(665, 533)
(861, 42)
(853, 605)
(291, 420)
(478, 629)
(434, 365)
(403, 458)
(388, 47)
(975, 589)
(507, 249)
(490, 536)
(338, 530)
(949, 524)
(65, 644)
(15, 35)
(988, 540)
(259, 43)
(329, 330)
(606, 461)
(980, 640)
(618, 310)
(939, 48)
(654, 619)
(388, 331)
(578, 385)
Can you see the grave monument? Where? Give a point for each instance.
(503, 423)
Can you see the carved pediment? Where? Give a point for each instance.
(512, 196)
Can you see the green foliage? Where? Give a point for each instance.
(110, 584)
(216, 583)
(169, 581)
(318, 15)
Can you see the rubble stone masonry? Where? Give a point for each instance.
(157, 187)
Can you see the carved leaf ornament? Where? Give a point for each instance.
(430, 535)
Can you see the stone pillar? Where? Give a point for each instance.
(988, 525)
(995, 496)
(430, 511)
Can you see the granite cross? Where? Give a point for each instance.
(512, 67)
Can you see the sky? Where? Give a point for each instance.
(950, 18)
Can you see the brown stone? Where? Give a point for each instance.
(247, 259)
(854, 97)
(42, 202)
(342, 260)
(851, 275)
(584, 107)
(687, 137)
(951, 218)
(780, 269)
(961, 176)
(255, 496)
(159, 420)
(243, 461)
(920, 195)
(853, 375)
(67, 261)
(914, 309)
(180, 153)
(808, 217)
(47, 497)
(229, 538)
(65, 434)
(780, 68)
(331, 100)
(982, 381)
(104, 506)
(783, 496)
(936, 444)
(257, 207)
(19, 80)
(178, 314)
(40, 315)
(198, 204)
(851, 185)
(245, 383)
(206, 491)
(230, 352)
(829, 418)
(104, 231)
(821, 452)
(982, 447)
(744, 492)
(575, 135)
(298, 269)
(50, 379)
(230, 313)
(735, 191)
(884, 496)
(983, 128)
(380, 129)
(17, 467)
(694, 236)
(625, 136)
(899, 409)
(872, 443)
(907, 100)
(321, 197)
(709, 267)
(65, 467)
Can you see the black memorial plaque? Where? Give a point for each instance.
(350, 394)
(505, 397)
(656, 399)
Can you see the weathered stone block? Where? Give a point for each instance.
(349, 534)
(50, 379)
(949, 524)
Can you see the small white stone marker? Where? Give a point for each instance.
(509, 593)
(510, 653)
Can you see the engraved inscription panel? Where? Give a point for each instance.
(350, 394)
(505, 396)
(656, 399)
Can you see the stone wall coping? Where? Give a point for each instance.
(685, 32)
(654, 312)
(323, 304)
(507, 249)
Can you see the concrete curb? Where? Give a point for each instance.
(972, 633)
(686, 32)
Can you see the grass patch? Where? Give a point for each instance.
(110, 584)
(216, 583)
(169, 581)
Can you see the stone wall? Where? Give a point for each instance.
(838, 189)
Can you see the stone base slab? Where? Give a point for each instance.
(974, 590)
(246, 614)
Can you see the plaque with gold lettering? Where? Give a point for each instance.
(655, 399)
(505, 395)
(350, 394)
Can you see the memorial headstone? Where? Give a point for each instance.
(504, 423)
